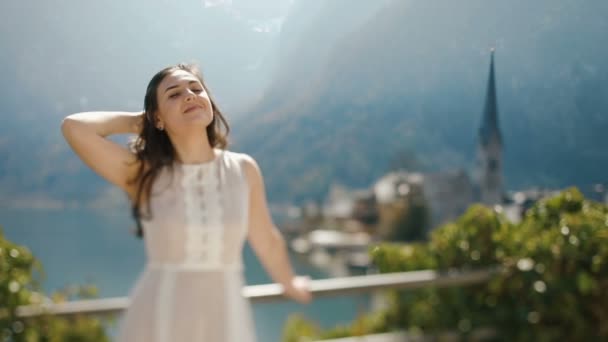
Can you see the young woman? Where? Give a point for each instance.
(194, 203)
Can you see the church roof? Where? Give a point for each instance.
(489, 126)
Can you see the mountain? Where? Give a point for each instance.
(64, 50)
(345, 91)
(412, 77)
(306, 39)
(66, 56)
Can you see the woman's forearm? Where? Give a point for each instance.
(275, 260)
(106, 123)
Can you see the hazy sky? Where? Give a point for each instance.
(256, 10)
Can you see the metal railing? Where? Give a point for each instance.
(273, 292)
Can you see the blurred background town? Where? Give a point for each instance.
(385, 129)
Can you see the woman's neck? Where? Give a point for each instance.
(193, 149)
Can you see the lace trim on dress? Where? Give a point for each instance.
(204, 226)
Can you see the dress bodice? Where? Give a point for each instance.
(199, 215)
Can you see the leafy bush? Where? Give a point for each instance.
(300, 329)
(553, 283)
(20, 278)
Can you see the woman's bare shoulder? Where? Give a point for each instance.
(248, 164)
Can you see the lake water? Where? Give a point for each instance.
(81, 246)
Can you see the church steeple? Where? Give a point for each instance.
(488, 175)
(489, 126)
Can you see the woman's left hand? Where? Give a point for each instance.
(299, 289)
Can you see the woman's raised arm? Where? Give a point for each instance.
(86, 133)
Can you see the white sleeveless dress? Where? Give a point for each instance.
(190, 290)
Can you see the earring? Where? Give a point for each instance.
(160, 127)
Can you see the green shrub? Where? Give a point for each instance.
(553, 283)
(300, 329)
(20, 278)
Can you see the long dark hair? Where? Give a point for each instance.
(153, 147)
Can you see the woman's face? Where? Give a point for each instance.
(183, 103)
